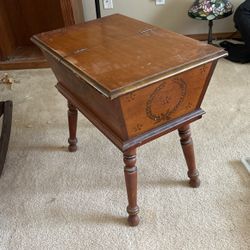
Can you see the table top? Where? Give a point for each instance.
(118, 54)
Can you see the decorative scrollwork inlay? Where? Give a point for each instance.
(166, 99)
(130, 97)
(138, 127)
(189, 106)
(203, 69)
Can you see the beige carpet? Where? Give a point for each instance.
(52, 199)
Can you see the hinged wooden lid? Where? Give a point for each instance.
(117, 54)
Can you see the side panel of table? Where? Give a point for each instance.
(165, 100)
(104, 113)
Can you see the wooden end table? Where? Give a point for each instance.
(134, 82)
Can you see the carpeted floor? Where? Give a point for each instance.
(52, 199)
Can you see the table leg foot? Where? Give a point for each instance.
(194, 179)
(72, 121)
(133, 218)
(188, 150)
(130, 172)
(72, 145)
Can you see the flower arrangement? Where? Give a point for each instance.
(210, 9)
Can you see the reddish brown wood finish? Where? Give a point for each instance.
(107, 49)
(25, 57)
(19, 20)
(72, 120)
(67, 12)
(130, 172)
(72, 11)
(188, 150)
(134, 82)
(122, 116)
(87, 99)
(7, 44)
(145, 109)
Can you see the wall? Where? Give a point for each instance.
(172, 15)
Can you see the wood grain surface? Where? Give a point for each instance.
(117, 54)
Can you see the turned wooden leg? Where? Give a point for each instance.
(72, 120)
(188, 150)
(130, 171)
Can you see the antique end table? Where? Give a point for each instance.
(134, 82)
